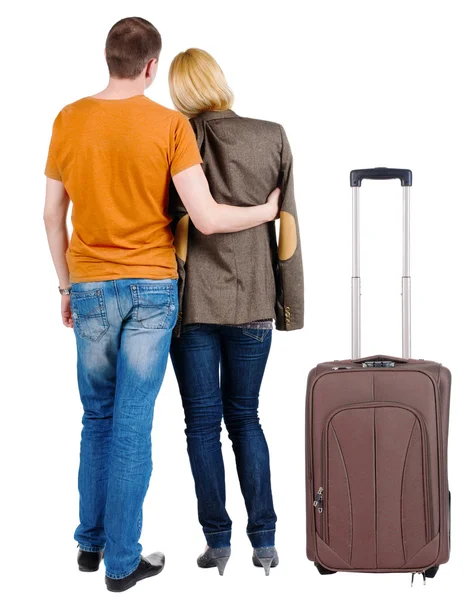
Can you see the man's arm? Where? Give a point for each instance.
(55, 213)
(210, 217)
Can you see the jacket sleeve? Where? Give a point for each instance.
(289, 267)
(179, 226)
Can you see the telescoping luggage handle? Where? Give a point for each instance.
(356, 177)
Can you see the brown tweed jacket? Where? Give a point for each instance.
(236, 278)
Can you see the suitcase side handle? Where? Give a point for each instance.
(380, 173)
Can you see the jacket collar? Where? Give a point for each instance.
(216, 114)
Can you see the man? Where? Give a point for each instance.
(113, 155)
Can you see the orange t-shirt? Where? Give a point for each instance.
(115, 159)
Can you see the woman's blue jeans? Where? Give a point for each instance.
(123, 331)
(199, 356)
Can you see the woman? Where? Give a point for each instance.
(232, 288)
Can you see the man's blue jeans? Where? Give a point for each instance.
(241, 355)
(123, 331)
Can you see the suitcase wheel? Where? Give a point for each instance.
(324, 571)
(432, 572)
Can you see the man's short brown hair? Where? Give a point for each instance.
(130, 44)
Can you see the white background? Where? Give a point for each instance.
(356, 84)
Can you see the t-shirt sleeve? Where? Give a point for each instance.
(52, 168)
(185, 151)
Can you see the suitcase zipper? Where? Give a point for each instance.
(318, 502)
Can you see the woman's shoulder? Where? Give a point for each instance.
(263, 122)
(237, 120)
(270, 129)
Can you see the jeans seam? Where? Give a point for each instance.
(126, 574)
(263, 531)
(90, 548)
(218, 532)
(118, 300)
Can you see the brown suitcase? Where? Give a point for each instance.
(376, 446)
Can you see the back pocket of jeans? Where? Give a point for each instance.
(89, 314)
(256, 334)
(153, 305)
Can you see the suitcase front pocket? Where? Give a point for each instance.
(376, 493)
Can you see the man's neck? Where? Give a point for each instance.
(118, 89)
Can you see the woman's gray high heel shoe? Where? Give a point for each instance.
(266, 557)
(214, 557)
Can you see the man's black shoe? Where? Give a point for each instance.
(148, 567)
(89, 561)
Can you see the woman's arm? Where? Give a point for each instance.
(210, 217)
(55, 213)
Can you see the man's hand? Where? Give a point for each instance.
(66, 311)
(273, 202)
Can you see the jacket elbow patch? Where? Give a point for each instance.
(181, 237)
(287, 236)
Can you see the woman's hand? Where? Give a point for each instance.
(66, 311)
(273, 202)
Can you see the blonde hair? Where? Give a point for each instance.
(197, 83)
